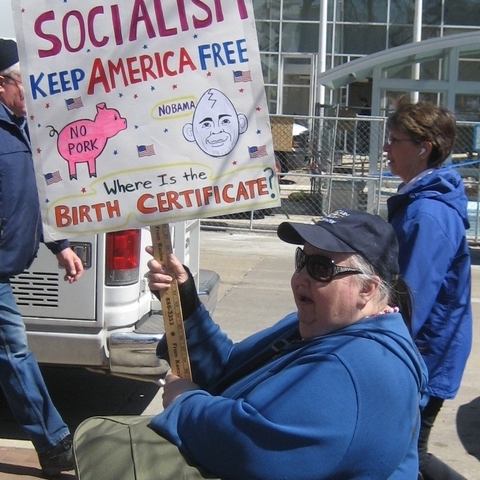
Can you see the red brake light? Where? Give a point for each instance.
(122, 257)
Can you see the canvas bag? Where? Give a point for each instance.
(125, 448)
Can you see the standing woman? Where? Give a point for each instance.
(429, 216)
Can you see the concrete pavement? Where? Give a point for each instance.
(255, 271)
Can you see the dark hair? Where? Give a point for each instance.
(401, 296)
(425, 122)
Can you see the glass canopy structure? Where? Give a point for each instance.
(444, 70)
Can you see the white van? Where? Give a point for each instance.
(109, 319)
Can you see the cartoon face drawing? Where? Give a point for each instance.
(216, 125)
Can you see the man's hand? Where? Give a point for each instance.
(69, 260)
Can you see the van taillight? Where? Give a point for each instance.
(123, 257)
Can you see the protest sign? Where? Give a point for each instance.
(144, 112)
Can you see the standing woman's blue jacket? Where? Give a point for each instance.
(430, 219)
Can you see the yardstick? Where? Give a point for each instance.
(171, 307)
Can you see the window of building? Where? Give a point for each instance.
(432, 12)
(433, 70)
(366, 11)
(363, 39)
(271, 92)
(399, 35)
(461, 12)
(301, 10)
(269, 68)
(469, 67)
(298, 82)
(296, 101)
(299, 37)
(402, 12)
(266, 9)
(268, 36)
(455, 30)
(467, 107)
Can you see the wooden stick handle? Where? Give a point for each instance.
(171, 306)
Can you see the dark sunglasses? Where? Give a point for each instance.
(319, 267)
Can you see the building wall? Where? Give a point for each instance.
(291, 41)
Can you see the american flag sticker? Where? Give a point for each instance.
(73, 103)
(53, 177)
(242, 76)
(145, 150)
(257, 152)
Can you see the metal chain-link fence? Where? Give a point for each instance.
(327, 163)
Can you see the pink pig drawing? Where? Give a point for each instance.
(84, 140)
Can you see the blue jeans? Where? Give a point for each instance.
(22, 381)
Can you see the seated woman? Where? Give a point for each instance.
(332, 391)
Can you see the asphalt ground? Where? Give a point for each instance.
(255, 271)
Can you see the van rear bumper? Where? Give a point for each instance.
(134, 353)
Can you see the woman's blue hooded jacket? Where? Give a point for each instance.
(430, 220)
(343, 405)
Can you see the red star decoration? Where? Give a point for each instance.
(47, 105)
(257, 109)
(39, 150)
(234, 162)
(84, 190)
(22, 10)
(209, 74)
(175, 86)
(241, 90)
(32, 117)
(135, 96)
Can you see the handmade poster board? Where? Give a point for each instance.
(144, 112)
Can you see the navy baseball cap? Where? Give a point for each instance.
(8, 53)
(350, 231)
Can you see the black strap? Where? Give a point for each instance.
(256, 362)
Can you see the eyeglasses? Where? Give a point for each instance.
(319, 267)
(390, 141)
(16, 81)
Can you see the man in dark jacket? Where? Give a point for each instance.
(20, 234)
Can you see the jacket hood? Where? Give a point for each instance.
(392, 333)
(443, 185)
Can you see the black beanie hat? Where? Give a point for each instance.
(8, 53)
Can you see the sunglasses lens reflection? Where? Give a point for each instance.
(318, 267)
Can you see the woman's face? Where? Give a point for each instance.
(326, 307)
(405, 157)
